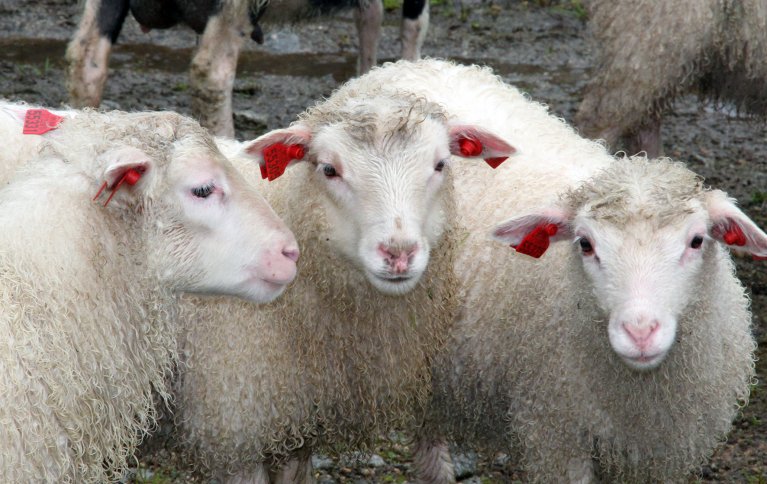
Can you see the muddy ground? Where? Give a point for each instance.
(544, 50)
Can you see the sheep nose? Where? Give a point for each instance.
(641, 334)
(291, 252)
(398, 256)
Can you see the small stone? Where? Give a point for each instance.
(321, 462)
(465, 464)
(326, 479)
(501, 459)
(472, 480)
(376, 461)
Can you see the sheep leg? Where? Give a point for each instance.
(257, 476)
(432, 462)
(646, 138)
(415, 22)
(88, 51)
(298, 470)
(581, 471)
(214, 66)
(368, 17)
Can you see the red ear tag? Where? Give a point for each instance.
(756, 257)
(537, 241)
(277, 157)
(495, 162)
(40, 121)
(131, 177)
(470, 147)
(734, 236)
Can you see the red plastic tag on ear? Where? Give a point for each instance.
(40, 121)
(734, 236)
(131, 177)
(470, 147)
(536, 242)
(495, 162)
(756, 257)
(277, 157)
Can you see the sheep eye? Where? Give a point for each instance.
(203, 191)
(440, 165)
(329, 171)
(696, 242)
(586, 247)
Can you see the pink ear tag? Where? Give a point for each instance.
(537, 241)
(40, 121)
(277, 157)
(131, 177)
(734, 236)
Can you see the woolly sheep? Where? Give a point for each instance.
(335, 361)
(222, 25)
(624, 354)
(87, 288)
(651, 51)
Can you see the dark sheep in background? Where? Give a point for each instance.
(223, 26)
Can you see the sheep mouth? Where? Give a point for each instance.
(394, 279)
(645, 361)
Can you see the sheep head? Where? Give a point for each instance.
(160, 174)
(383, 167)
(644, 231)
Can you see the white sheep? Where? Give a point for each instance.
(652, 51)
(87, 288)
(338, 359)
(222, 26)
(623, 354)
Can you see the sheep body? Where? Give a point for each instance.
(530, 368)
(88, 291)
(331, 364)
(650, 52)
(334, 362)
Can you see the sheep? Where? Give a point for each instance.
(622, 356)
(338, 359)
(222, 25)
(650, 52)
(108, 218)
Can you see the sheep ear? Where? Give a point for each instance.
(531, 234)
(471, 141)
(278, 149)
(732, 227)
(124, 169)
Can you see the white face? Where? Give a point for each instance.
(383, 204)
(643, 278)
(233, 242)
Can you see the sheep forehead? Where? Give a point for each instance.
(402, 142)
(392, 117)
(656, 193)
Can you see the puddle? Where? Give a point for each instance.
(142, 57)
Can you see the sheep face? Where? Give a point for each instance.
(236, 244)
(383, 175)
(384, 203)
(645, 232)
(209, 231)
(643, 277)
